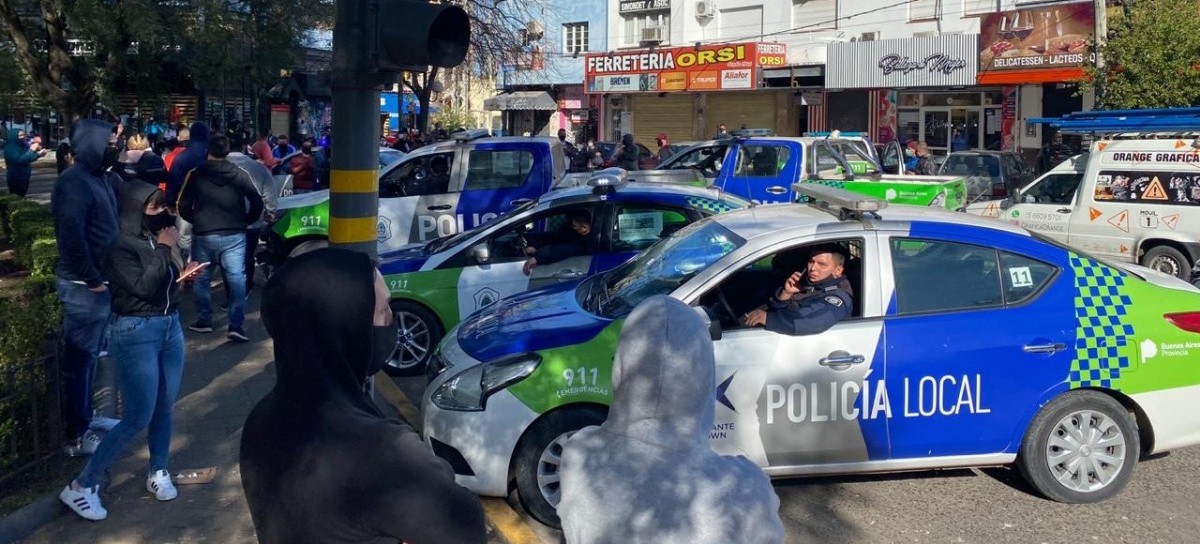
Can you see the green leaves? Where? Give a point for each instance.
(1152, 56)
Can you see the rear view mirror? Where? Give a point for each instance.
(481, 254)
(1006, 203)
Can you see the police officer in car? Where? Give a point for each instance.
(809, 302)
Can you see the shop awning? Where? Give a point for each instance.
(520, 100)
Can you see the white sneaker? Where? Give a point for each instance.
(159, 483)
(101, 423)
(85, 502)
(85, 445)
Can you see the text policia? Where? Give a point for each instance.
(833, 401)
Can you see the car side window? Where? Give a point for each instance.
(1054, 189)
(1023, 277)
(498, 169)
(761, 160)
(938, 276)
(638, 227)
(550, 227)
(425, 175)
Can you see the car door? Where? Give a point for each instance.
(892, 158)
(760, 172)
(980, 331)
(500, 176)
(798, 401)
(416, 200)
(1046, 205)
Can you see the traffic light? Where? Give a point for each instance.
(410, 33)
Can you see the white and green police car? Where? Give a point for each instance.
(436, 284)
(971, 342)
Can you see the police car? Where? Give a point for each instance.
(436, 284)
(970, 342)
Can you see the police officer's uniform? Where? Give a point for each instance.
(814, 309)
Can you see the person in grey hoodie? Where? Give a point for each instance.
(648, 474)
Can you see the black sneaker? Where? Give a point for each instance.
(237, 335)
(200, 327)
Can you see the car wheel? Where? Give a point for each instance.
(417, 333)
(306, 246)
(1167, 260)
(1080, 448)
(539, 457)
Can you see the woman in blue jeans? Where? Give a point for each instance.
(145, 341)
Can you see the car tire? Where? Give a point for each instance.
(536, 464)
(1046, 455)
(1167, 260)
(306, 246)
(418, 333)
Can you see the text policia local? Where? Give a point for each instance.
(833, 401)
(664, 60)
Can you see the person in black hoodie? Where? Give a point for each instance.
(192, 157)
(302, 460)
(220, 201)
(146, 341)
(85, 227)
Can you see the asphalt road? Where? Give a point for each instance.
(994, 505)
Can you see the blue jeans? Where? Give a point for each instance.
(85, 314)
(148, 352)
(228, 250)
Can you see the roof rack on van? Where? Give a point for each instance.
(840, 202)
(1127, 123)
(467, 135)
(835, 134)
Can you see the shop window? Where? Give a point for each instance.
(635, 23)
(814, 14)
(923, 9)
(575, 38)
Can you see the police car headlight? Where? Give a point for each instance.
(938, 201)
(468, 390)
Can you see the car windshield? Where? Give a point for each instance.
(659, 270)
(972, 165)
(438, 244)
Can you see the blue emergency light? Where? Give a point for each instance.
(1147, 120)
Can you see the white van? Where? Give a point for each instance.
(1134, 200)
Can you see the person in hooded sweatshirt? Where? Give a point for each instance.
(320, 463)
(220, 201)
(648, 473)
(19, 156)
(627, 154)
(192, 157)
(84, 205)
(146, 342)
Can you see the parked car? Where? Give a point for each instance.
(646, 158)
(437, 284)
(1090, 373)
(989, 174)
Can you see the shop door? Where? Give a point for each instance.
(935, 129)
(964, 129)
(671, 114)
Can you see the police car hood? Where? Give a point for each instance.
(408, 258)
(532, 321)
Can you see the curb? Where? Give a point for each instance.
(29, 518)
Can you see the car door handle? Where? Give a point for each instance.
(519, 202)
(569, 274)
(841, 359)
(1063, 210)
(438, 208)
(1045, 348)
(776, 190)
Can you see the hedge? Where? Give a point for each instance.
(29, 310)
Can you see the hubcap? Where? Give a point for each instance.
(1085, 451)
(412, 341)
(548, 469)
(1166, 265)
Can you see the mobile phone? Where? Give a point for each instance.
(198, 268)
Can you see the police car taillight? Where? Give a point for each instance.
(1188, 321)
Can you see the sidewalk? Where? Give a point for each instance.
(222, 381)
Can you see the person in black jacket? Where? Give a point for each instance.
(220, 202)
(810, 301)
(85, 227)
(146, 342)
(571, 243)
(319, 461)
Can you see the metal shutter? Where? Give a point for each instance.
(752, 109)
(671, 114)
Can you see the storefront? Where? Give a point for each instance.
(687, 92)
(918, 88)
(1042, 50)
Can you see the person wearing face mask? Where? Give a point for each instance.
(304, 472)
(304, 171)
(146, 343)
(19, 155)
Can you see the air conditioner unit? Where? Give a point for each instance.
(652, 35)
(869, 36)
(706, 9)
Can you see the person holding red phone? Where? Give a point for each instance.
(145, 341)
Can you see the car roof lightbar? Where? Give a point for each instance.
(606, 181)
(839, 202)
(469, 134)
(1160, 120)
